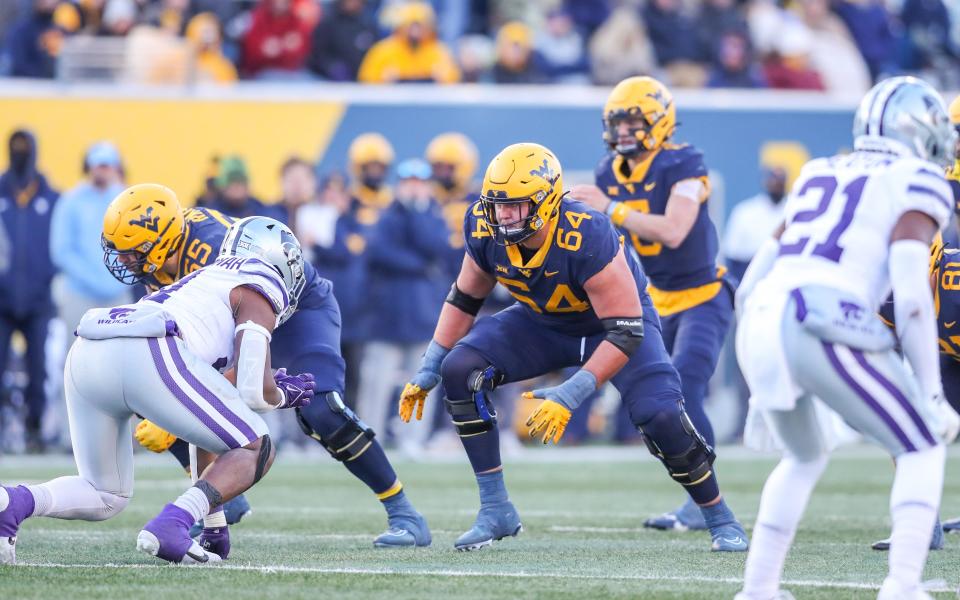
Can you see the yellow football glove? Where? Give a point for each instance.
(412, 396)
(152, 437)
(550, 418)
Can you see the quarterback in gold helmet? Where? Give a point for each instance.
(580, 302)
(655, 191)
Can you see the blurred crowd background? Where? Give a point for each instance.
(384, 226)
(835, 45)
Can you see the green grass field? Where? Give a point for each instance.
(311, 530)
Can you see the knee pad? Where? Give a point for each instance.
(347, 441)
(475, 415)
(691, 466)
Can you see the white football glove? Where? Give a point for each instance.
(946, 421)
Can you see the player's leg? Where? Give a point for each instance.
(173, 388)
(650, 387)
(784, 497)
(950, 374)
(875, 395)
(309, 342)
(698, 335)
(505, 347)
(102, 449)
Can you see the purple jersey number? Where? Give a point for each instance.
(829, 248)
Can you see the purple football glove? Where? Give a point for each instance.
(297, 390)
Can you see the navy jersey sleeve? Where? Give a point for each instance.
(477, 235)
(687, 163)
(600, 245)
(601, 174)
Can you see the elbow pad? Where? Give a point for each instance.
(251, 363)
(625, 333)
(914, 312)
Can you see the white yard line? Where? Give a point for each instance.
(285, 569)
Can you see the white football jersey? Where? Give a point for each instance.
(200, 303)
(840, 215)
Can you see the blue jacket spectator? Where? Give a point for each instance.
(26, 206)
(928, 42)
(870, 25)
(735, 67)
(673, 33)
(563, 58)
(35, 41)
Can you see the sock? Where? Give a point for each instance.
(483, 450)
(373, 468)
(717, 515)
(492, 487)
(215, 519)
(20, 503)
(195, 502)
(914, 501)
(705, 491)
(398, 505)
(73, 498)
(784, 498)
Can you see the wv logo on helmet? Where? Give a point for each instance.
(148, 221)
(544, 172)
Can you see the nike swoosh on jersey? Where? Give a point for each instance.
(649, 186)
(950, 324)
(550, 273)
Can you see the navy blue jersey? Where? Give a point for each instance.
(955, 187)
(204, 230)
(581, 242)
(688, 267)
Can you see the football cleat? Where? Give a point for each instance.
(405, 531)
(936, 542)
(951, 526)
(729, 538)
(16, 504)
(216, 540)
(167, 537)
(686, 518)
(494, 522)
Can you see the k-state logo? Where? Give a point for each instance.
(851, 310)
(119, 313)
(148, 221)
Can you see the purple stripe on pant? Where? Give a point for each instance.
(207, 395)
(184, 399)
(896, 393)
(867, 398)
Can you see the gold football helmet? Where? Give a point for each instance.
(639, 97)
(141, 228)
(524, 173)
(454, 160)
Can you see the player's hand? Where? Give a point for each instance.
(946, 421)
(152, 437)
(549, 418)
(590, 195)
(414, 394)
(295, 390)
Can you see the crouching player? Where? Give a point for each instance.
(580, 302)
(154, 358)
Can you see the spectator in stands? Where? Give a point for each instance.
(588, 15)
(716, 18)
(299, 184)
(210, 193)
(209, 63)
(75, 232)
(475, 54)
(675, 42)
(35, 40)
(871, 26)
(26, 272)
(833, 53)
(167, 15)
(620, 48)
(337, 245)
(407, 257)
(735, 67)
(119, 17)
(929, 46)
(788, 66)
(340, 41)
(412, 53)
(370, 156)
(278, 41)
(561, 48)
(235, 199)
(516, 60)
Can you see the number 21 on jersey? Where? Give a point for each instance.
(795, 242)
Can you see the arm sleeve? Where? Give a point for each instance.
(914, 313)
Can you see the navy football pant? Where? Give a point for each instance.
(34, 329)
(694, 339)
(950, 374)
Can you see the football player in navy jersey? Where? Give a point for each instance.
(148, 237)
(655, 192)
(580, 301)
